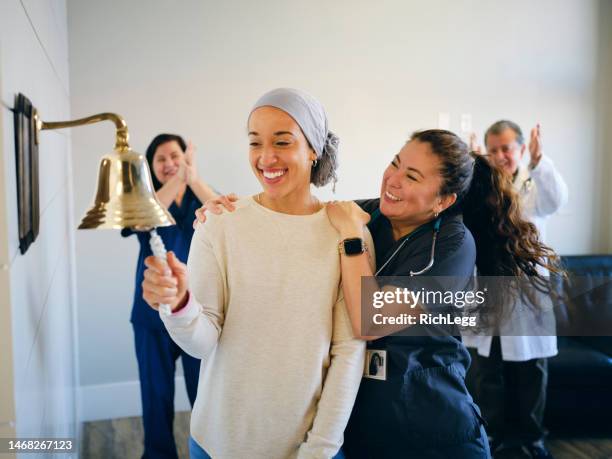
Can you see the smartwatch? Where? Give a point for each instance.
(352, 246)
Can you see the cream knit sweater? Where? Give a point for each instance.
(280, 368)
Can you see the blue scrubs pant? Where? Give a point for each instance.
(157, 354)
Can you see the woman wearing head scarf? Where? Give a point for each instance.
(259, 301)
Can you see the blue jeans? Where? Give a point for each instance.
(197, 452)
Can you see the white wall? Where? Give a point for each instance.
(382, 70)
(38, 288)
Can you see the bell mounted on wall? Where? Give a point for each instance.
(125, 197)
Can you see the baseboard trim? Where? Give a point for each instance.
(121, 400)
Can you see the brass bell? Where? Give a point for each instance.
(125, 197)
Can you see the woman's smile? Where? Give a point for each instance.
(390, 197)
(170, 172)
(271, 175)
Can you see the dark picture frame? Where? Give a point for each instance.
(26, 166)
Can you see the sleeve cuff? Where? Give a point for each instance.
(181, 310)
(184, 315)
(544, 165)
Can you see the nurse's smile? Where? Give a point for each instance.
(410, 191)
(166, 160)
(390, 197)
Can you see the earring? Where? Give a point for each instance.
(436, 214)
(315, 162)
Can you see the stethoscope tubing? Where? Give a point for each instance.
(436, 230)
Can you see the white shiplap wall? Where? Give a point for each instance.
(37, 290)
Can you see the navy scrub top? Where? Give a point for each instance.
(176, 238)
(423, 403)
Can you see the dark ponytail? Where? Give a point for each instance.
(506, 244)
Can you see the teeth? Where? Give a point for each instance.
(273, 175)
(390, 196)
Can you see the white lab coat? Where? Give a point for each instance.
(542, 192)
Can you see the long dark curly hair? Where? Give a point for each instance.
(506, 244)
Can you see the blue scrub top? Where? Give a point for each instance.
(176, 238)
(423, 404)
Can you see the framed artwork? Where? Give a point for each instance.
(26, 162)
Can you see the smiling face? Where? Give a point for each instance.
(409, 194)
(503, 151)
(166, 160)
(280, 155)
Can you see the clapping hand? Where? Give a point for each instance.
(188, 169)
(474, 145)
(535, 146)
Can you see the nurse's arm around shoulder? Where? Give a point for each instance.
(197, 316)
(350, 220)
(339, 390)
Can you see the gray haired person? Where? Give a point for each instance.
(510, 372)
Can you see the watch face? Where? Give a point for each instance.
(353, 246)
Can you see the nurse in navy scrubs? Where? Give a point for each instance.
(432, 188)
(178, 187)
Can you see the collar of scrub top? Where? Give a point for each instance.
(436, 229)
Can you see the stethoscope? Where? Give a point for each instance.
(526, 186)
(436, 230)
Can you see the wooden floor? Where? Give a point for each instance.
(122, 438)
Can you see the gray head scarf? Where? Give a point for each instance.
(310, 116)
(307, 112)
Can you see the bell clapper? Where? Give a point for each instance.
(159, 250)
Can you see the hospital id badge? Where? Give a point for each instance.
(375, 364)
